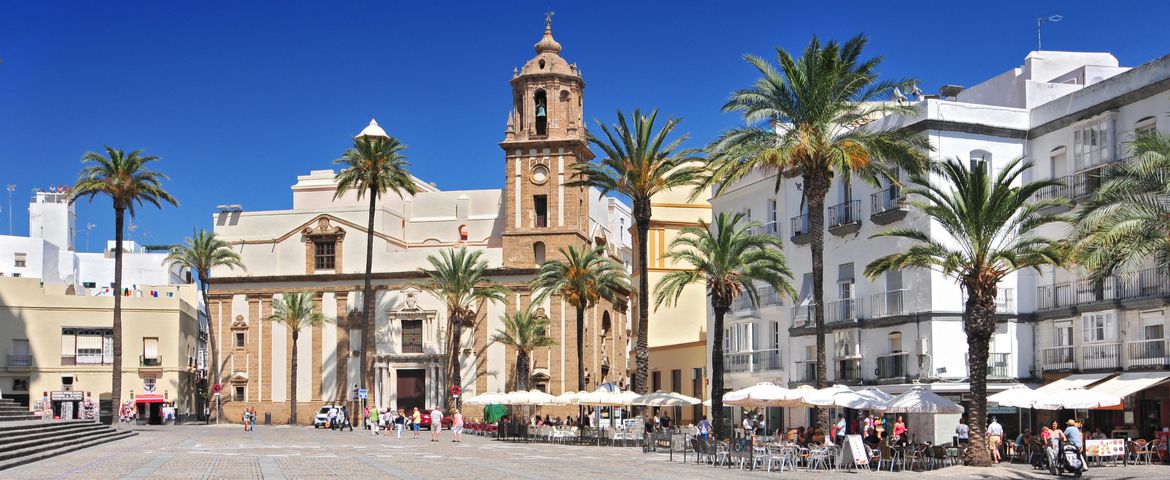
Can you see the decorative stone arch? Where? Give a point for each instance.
(324, 231)
(409, 311)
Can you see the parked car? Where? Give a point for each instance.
(322, 416)
(425, 422)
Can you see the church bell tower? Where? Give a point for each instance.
(545, 136)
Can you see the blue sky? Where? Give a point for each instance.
(241, 97)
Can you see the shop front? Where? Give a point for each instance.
(150, 408)
(1145, 408)
(68, 405)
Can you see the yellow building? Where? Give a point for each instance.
(678, 334)
(58, 347)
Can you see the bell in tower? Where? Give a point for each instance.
(541, 100)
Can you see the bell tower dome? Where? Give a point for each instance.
(544, 137)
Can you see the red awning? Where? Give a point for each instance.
(149, 398)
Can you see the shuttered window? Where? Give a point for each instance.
(150, 348)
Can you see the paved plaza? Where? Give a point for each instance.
(204, 452)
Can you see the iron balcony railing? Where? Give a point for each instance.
(770, 228)
(1101, 356)
(845, 213)
(1147, 353)
(769, 296)
(892, 366)
(801, 314)
(999, 365)
(890, 303)
(841, 311)
(886, 200)
(849, 370)
(144, 361)
(1005, 300)
(806, 371)
(1150, 282)
(800, 225)
(742, 302)
(1058, 358)
(19, 360)
(753, 361)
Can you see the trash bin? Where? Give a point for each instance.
(268, 418)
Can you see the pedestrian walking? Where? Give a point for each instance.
(399, 422)
(457, 426)
(373, 420)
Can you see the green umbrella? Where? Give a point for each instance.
(494, 412)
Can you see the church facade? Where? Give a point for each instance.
(318, 245)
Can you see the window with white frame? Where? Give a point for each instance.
(895, 339)
(776, 335)
(1099, 327)
(1153, 325)
(1062, 334)
(240, 393)
(773, 226)
(980, 157)
(845, 343)
(1145, 126)
(149, 384)
(1090, 145)
(21, 260)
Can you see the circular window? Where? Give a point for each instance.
(539, 174)
(541, 63)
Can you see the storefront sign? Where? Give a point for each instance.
(1000, 410)
(66, 396)
(1105, 448)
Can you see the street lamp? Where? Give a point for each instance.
(1040, 21)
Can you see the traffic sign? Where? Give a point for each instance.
(455, 390)
(363, 393)
(217, 388)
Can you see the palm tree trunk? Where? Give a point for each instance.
(453, 364)
(522, 371)
(980, 326)
(292, 396)
(580, 348)
(816, 185)
(642, 351)
(116, 381)
(213, 353)
(721, 307)
(368, 347)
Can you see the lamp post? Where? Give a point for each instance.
(1040, 21)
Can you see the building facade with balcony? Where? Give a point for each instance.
(905, 328)
(56, 341)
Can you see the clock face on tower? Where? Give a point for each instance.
(539, 174)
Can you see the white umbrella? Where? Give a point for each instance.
(665, 399)
(764, 394)
(842, 396)
(572, 398)
(531, 397)
(877, 396)
(1075, 398)
(921, 400)
(794, 398)
(486, 399)
(604, 398)
(1018, 396)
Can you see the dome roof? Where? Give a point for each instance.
(547, 59)
(372, 130)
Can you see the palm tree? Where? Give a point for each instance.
(729, 259)
(524, 332)
(129, 182)
(202, 252)
(993, 225)
(458, 277)
(806, 118)
(581, 279)
(640, 163)
(1126, 224)
(375, 165)
(296, 312)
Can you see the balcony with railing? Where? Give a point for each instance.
(1101, 356)
(1005, 300)
(887, 206)
(848, 371)
(845, 218)
(153, 362)
(769, 296)
(770, 228)
(753, 361)
(742, 303)
(890, 303)
(1147, 283)
(1058, 358)
(841, 311)
(892, 366)
(806, 373)
(802, 315)
(800, 230)
(19, 360)
(999, 366)
(1147, 354)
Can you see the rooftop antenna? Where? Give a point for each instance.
(11, 188)
(88, 228)
(1040, 21)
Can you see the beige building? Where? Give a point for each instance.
(318, 245)
(57, 342)
(678, 334)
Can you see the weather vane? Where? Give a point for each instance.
(548, 17)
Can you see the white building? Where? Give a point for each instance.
(1069, 113)
(49, 253)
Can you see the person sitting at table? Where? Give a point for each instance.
(871, 439)
(901, 440)
(818, 437)
(1098, 434)
(801, 438)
